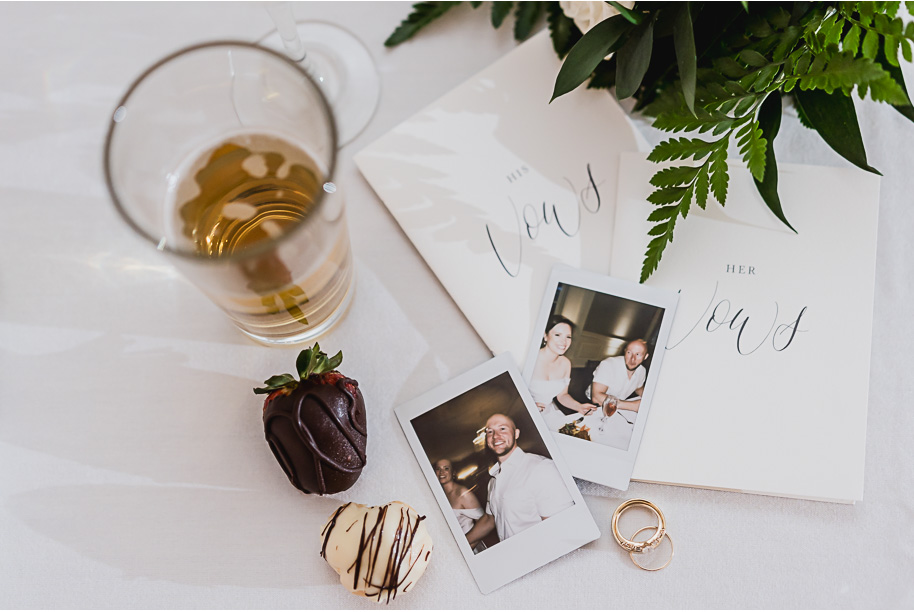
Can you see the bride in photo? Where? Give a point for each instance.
(552, 371)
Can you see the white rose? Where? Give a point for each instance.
(588, 14)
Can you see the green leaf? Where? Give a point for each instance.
(423, 14)
(752, 148)
(664, 212)
(630, 15)
(779, 18)
(701, 187)
(891, 50)
(587, 53)
(844, 72)
(888, 90)
(834, 117)
(274, 383)
(719, 175)
(686, 60)
(314, 361)
(665, 195)
(730, 68)
(335, 361)
(633, 59)
(500, 10)
(525, 18)
(870, 44)
(787, 43)
(753, 58)
(562, 29)
(803, 64)
(833, 33)
(769, 119)
(682, 148)
(804, 121)
(895, 72)
(906, 50)
(673, 176)
(765, 77)
(476, 4)
(655, 251)
(851, 42)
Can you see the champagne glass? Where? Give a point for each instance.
(336, 60)
(222, 155)
(612, 401)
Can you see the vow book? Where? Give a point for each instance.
(494, 185)
(766, 373)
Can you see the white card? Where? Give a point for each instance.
(766, 376)
(494, 185)
(532, 479)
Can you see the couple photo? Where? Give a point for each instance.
(593, 363)
(494, 468)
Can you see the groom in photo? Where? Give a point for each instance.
(525, 488)
(618, 377)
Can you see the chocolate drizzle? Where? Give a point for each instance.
(368, 554)
(328, 528)
(318, 434)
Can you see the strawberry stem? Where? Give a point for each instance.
(310, 361)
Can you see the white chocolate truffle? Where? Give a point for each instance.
(378, 551)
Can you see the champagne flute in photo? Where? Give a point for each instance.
(222, 156)
(612, 402)
(335, 59)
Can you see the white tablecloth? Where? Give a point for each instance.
(133, 470)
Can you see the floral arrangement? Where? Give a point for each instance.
(717, 74)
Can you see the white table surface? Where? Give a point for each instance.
(133, 470)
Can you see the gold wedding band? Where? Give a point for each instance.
(652, 569)
(632, 546)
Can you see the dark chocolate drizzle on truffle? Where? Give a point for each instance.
(328, 528)
(370, 548)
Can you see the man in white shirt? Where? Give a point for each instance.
(618, 377)
(525, 488)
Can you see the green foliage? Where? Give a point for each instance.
(721, 70)
(686, 58)
(821, 53)
(562, 29)
(633, 58)
(500, 10)
(527, 15)
(310, 361)
(588, 53)
(769, 119)
(423, 14)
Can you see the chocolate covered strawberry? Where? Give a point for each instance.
(315, 425)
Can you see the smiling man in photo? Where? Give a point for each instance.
(616, 378)
(525, 488)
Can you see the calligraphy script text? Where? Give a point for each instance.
(724, 315)
(531, 218)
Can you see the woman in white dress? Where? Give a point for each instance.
(464, 503)
(552, 371)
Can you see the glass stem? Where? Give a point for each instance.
(281, 14)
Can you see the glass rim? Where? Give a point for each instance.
(263, 246)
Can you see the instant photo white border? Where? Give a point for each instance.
(532, 548)
(593, 461)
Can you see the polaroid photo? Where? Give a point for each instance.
(506, 492)
(593, 365)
